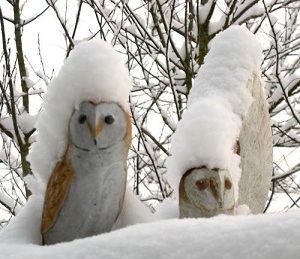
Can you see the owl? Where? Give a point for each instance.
(85, 192)
(205, 193)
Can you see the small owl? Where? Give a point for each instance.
(85, 192)
(205, 193)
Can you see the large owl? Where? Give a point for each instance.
(86, 189)
(79, 158)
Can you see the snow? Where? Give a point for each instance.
(217, 25)
(247, 9)
(134, 211)
(204, 11)
(6, 199)
(207, 133)
(259, 236)
(26, 122)
(93, 72)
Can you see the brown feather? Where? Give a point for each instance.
(57, 190)
(127, 141)
(128, 134)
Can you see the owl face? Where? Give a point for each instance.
(206, 193)
(97, 126)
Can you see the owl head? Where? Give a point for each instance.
(98, 125)
(206, 193)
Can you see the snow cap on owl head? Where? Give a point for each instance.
(93, 72)
(97, 73)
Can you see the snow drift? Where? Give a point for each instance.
(259, 236)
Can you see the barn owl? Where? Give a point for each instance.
(205, 193)
(85, 192)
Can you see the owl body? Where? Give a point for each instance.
(86, 190)
(256, 151)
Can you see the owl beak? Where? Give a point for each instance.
(215, 189)
(98, 128)
(228, 200)
(223, 194)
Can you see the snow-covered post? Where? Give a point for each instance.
(222, 148)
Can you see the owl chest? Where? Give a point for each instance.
(95, 195)
(98, 179)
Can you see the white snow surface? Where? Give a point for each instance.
(26, 122)
(218, 100)
(25, 227)
(133, 212)
(260, 236)
(93, 72)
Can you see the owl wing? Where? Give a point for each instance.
(57, 190)
(256, 151)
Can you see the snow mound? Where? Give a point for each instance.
(25, 227)
(207, 133)
(235, 54)
(259, 236)
(93, 72)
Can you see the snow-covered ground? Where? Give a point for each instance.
(260, 236)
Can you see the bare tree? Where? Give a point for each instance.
(15, 141)
(165, 43)
(16, 123)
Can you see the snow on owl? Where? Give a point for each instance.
(84, 134)
(211, 174)
(206, 193)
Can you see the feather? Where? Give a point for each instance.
(56, 193)
(256, 151)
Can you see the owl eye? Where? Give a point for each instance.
(82, 118)
(228, 183)
(109, 119)
(202, 184)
